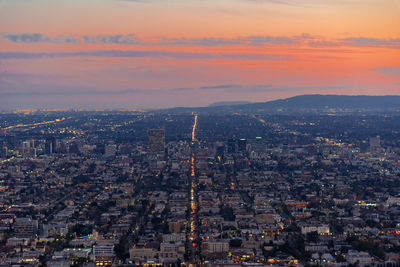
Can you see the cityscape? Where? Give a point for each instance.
(167, 188)
(200, 133)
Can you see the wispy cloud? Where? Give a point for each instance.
(28, 38)
(222, 86)
(364, 41)
(112, 39)
(249, 40)
(140, 54)
(239, 88)
(393, 70)
(260, 40)
(265, 88)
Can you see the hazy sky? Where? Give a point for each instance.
(162, 53)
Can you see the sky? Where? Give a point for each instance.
(167, 53)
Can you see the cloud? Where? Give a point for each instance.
(132, 39)
(140, 54)
(261, 40)
(249, 40)
(28, 38)
(265, 88)
(207, 41)
(239, 88)
(394, 70)
(224, 86)
(112, 39)
(364, 41)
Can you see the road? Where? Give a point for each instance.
(193, 237)
(34, 124)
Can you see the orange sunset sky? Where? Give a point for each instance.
(161, 53)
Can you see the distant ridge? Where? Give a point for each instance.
(334, 102)
(307, 103)
(229, 103)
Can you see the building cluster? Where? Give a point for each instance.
(269, 200)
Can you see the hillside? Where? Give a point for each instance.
(307, 103)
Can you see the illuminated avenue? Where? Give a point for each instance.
(34, 124)
(194, 241)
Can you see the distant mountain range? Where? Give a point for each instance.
(305, 103)
(229, 103)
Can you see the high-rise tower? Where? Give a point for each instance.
(375, 144)
(50, 146)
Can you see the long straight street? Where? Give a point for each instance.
(193, 243)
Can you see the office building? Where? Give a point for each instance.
(231, 146)
(12, 142)
(4, 152)
(110, 150)
(259, 145)
(50, 146)
(242, 144)
(375, 144)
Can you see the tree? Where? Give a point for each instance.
(121, 249)
(313, 236)
(227, 213)
(235, 243)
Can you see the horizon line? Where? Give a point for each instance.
(143, 110)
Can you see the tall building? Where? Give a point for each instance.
(231, 146)
(12, 142)
(259, 145)
(156, 141)
(110, 150)
(4, 151)
(363, 146)
(50, 146)
(26, 145)
(32, 143)
(285, 147)
(375, 144)
(242, 143)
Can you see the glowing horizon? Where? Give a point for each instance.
(151, 54)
